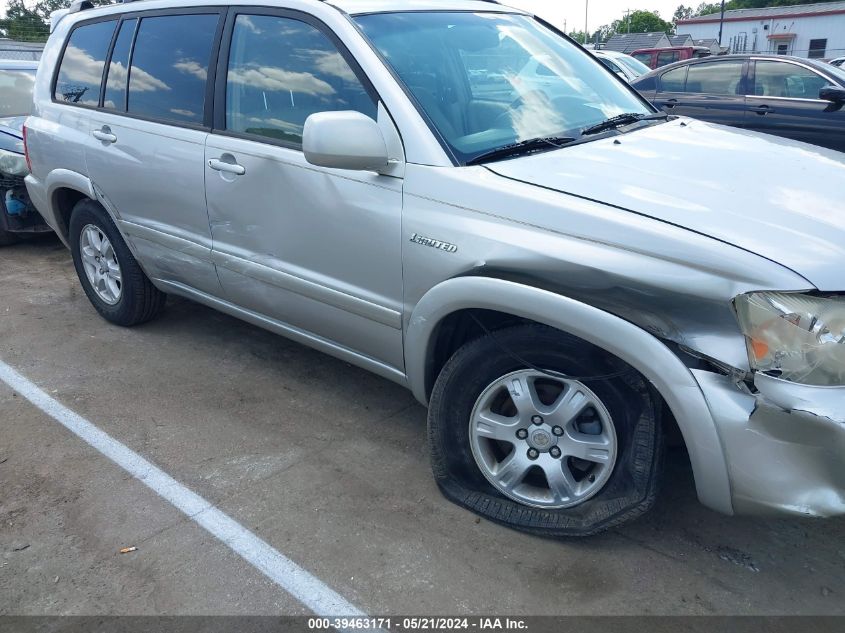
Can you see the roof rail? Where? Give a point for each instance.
(82, 5)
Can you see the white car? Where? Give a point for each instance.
(623, 65)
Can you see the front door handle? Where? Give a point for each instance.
(229, 168)
(669, 103)
(762, 110)
(104, 134)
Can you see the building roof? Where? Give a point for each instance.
(710, 42)
(680, 40)
(13, 44)
(628, 42)
(795, 11)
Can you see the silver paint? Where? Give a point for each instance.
(638, 246)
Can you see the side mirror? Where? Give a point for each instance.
(344, 140)
(835, 94)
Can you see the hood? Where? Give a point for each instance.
(11, 133)
(777, 198)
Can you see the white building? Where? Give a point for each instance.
(809, 30)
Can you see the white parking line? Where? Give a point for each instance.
(303, 586)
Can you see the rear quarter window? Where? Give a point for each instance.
(675, 80)
(84, 58)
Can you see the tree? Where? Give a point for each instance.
(641, 22)
(32, 25)
(682, 13)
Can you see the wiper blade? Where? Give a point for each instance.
(522, 147)
(622, 119)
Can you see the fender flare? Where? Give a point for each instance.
(65, 179)
(648, 355)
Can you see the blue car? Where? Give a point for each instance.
(17, 215)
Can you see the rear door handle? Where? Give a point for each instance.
(230, 168)
(104, 135)
(762, 110)
(669, 103)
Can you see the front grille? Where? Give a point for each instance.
(10, 182)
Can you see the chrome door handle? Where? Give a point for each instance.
(104, 135)
(229, 168)
(762, 110)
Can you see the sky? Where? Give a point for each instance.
(570, 12)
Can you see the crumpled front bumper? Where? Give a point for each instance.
(784, 445)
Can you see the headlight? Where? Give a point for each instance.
(12, 164)
(795, 337)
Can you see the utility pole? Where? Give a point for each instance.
(586, 23)
(628, 19)
(722, 22)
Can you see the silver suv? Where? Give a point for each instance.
(558, 271)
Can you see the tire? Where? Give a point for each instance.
(624, 409)
(135, 299)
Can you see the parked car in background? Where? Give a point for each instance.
(544, 272)
(17, 215)
(623, 65)
(657, 57)
(838, 62)
(796, 98)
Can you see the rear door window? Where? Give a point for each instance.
(283, 70)
(170, 62)
(81, 69)
(717, 78)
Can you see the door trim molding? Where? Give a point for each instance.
(312, 290)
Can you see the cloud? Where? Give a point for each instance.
(191, 67)
(285, 126)
(277, 79)
(141, 80)
(332, 63)
(246, 22)
(185, 113)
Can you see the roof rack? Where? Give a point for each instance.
(82, 5)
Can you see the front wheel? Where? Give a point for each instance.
(544, 433)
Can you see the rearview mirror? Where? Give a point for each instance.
(835, 94)
(344, 140)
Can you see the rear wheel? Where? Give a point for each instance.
(523, 433)
(111, 277)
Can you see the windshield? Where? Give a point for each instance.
(837, 72)
(16, 92)
(487, 80)
(635, 65)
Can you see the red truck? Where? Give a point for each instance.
(657, 57)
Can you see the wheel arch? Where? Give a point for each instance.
(641, 350)
(65, 188)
